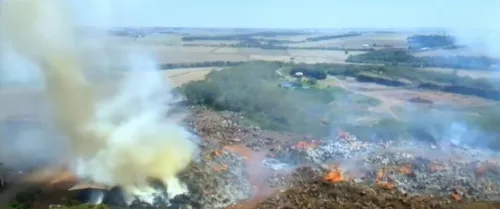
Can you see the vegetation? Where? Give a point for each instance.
(244, 37)
(253, 90)
(405, 58)
(256, 40)
(430, 41)
(24, 200)
(383, 74)
(328, 37)
(254, 37)
(271, 44)
(86, 206)
(168, 66)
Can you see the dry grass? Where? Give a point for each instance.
(189, 54)
(259, 51)
(184, 75)
(393, 98)
(193, 57)
(322, 53)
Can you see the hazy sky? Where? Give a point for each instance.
(291, 13)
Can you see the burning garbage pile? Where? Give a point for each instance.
(410, 168)
(384, 174)
(313, 172)
(341, 168)
(217, 180)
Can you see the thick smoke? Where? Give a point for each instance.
(122, 141)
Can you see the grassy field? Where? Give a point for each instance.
(235, 45)
(171, 48)
(182, 76)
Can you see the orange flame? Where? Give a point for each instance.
(335, 176)
(456, 196)
(214, 154)
(407, 170)
(386, 185)
(381, 182)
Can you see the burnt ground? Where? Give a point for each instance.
(244, 167)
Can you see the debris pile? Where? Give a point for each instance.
(337, 172)
(409, 167)
(216, 181)
(346, 195)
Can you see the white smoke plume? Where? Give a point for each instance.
(120, 141)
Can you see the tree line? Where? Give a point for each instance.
(254, 37)
(405, 58)
(430, 41)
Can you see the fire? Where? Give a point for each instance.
(456, 196)
(214, 154)
(386, 185)
(381, 182)
(380, 174)
(304, 145)
(335, 176)
(407, 170)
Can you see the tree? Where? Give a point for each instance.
(312, 81)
